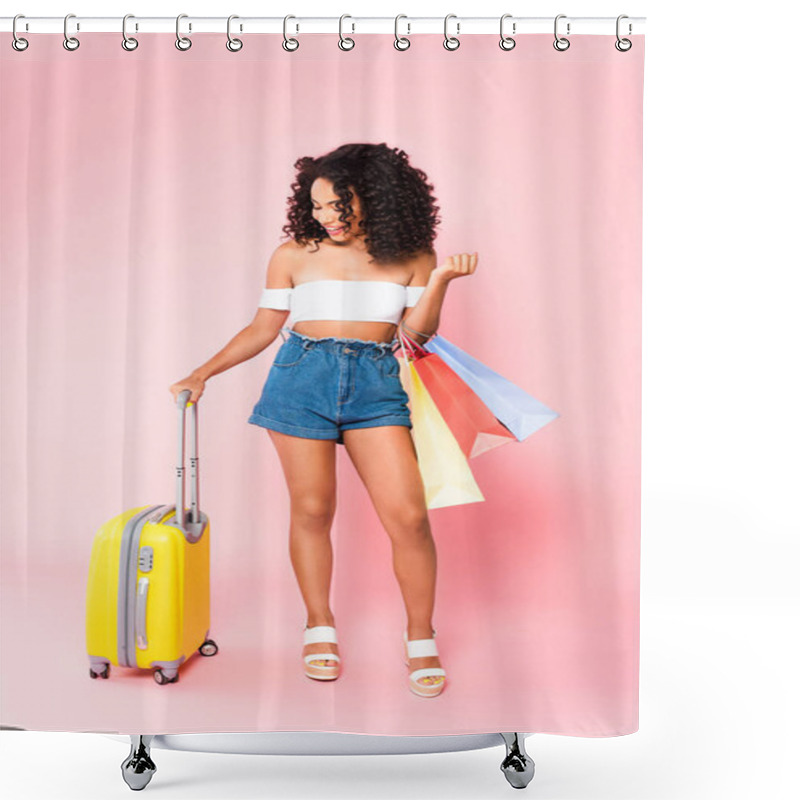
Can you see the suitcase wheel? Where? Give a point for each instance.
(160, 678)
(104, 674)
(209, 648)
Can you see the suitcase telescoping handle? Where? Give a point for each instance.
(194, 510)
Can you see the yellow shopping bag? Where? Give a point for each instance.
(445, 472)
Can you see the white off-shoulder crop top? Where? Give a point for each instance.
(356, 301)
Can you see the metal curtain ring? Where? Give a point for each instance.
(182, 42)
(560, 42)
(451, 42)
(128, 42)
(70, 42)
(345, 42)
(406, 43)
(623, 45)
(233, 44)
(506, 42)
(288, 43)
(17, 42)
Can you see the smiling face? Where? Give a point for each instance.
(324, 211)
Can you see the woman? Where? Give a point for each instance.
(360, 261)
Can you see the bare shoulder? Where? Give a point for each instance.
(422, 266)
(282, 265)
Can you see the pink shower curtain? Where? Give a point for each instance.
(142, 195)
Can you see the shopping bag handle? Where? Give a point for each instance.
(406, 341)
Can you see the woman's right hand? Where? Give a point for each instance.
(193, 383)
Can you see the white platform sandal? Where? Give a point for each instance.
(315, 635)
(418, 648)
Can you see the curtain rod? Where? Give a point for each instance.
(407, 25)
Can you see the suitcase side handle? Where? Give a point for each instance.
(194, 461)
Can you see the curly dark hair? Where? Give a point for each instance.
(397, 204)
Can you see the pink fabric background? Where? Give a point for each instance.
(142, 194)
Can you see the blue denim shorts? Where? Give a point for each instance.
(317, 388)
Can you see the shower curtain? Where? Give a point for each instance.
(144, 194)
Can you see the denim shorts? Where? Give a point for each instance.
(317, 388)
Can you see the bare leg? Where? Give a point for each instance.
(309, 466)
(386, 461)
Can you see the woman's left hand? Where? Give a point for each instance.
(456, 267)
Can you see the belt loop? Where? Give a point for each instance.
(283, 335)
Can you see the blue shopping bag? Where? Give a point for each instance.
(519, 411)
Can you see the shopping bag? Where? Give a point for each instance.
(446, 475)
(474, 426)
(518, 410)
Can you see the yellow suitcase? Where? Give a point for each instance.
(148, 591)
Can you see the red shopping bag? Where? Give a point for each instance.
(472, 423)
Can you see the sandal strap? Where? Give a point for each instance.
(320, 633)
(419, 648)
(321, 657)
(426, 672)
